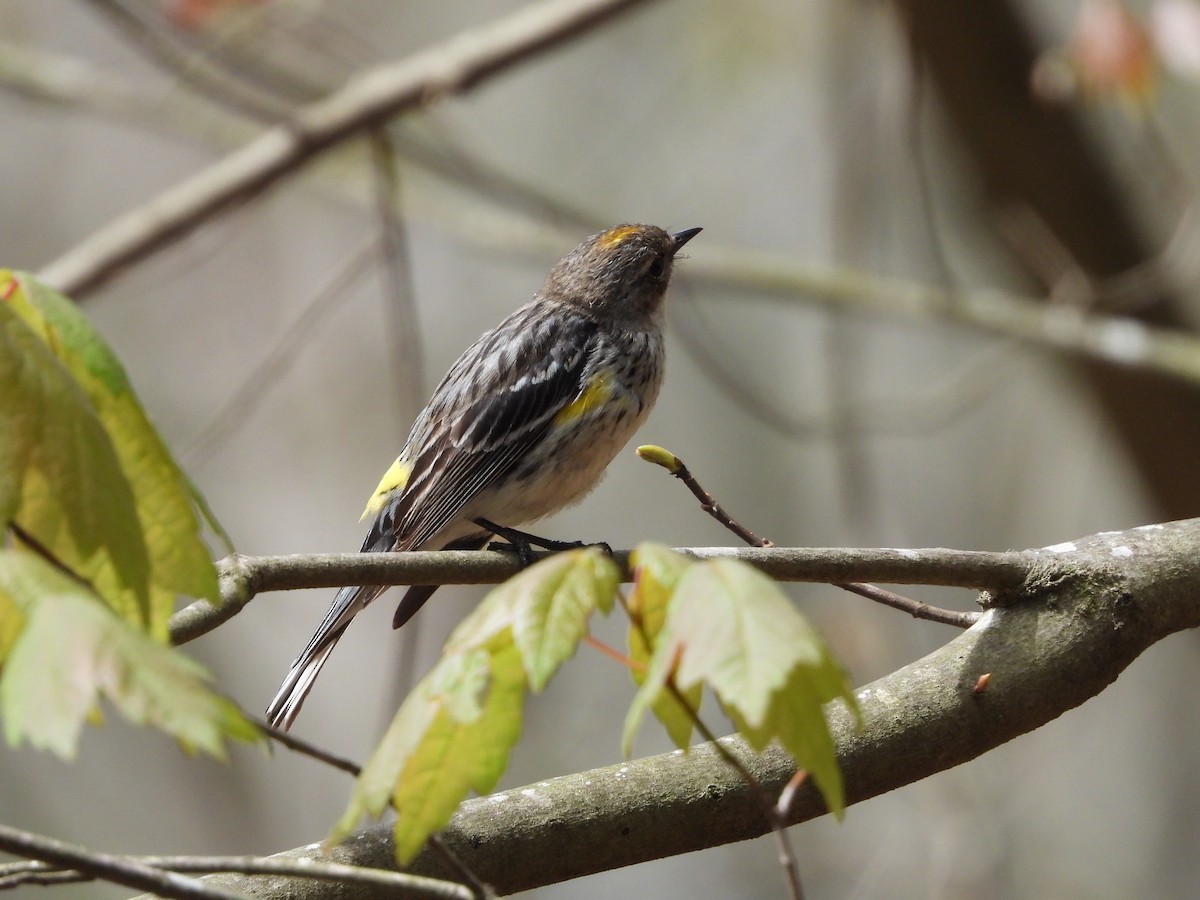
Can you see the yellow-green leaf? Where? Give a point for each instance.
(656, 571)
(731, 628)
(12, 620)
(62, 480)
(453, 734)
(73, 650)
(552, 602)
(168, 507)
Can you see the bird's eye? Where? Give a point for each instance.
(657, 267)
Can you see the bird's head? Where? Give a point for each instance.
(622, 272)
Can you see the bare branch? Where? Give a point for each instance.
(366, 102)
(1095, 605)
(1116, 340)
(915, 608)
(108, 867)
(25, 873)
(242, 577)
(708, 503)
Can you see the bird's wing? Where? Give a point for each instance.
(466, 438)
(492, 408)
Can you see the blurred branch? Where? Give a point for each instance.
(1113, 340)
(243, 577)
(29, 873)
(78, 84)
(406, 351)
(367, 101)
(270, 369)
(1040, 156)
(1093, 605)
(167, 46)
(108, 867)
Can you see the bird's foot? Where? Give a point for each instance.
(522, 542)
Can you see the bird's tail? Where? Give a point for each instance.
(346, 605)
(414, 598)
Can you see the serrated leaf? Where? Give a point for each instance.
(452, 734)
(72, 496)
(656, 571)
(797, 721)
(730, 627)
(167, 504)
(74, 650)
(552, 602)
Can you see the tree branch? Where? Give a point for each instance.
(242, 577)
(676, 466)
(17, 874)
(1094, 605)
(367, 101)
(1114, 340)
(109, 867)
(1119, 341)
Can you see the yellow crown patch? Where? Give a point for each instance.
(618, 235)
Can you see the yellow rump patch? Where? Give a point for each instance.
(615, 236)
(595, 395)
(394, 479)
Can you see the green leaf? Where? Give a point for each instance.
(656, 571)
(12, 621)
(168, 507)
(552, 602)
(61, 478)
(452, 734)
(73, 650)
(730, 627)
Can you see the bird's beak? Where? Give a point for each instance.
(682, 237)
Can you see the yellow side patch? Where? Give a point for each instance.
(394, 479)
(595, 395)
(615, 236)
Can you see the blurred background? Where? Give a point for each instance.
(861, 170)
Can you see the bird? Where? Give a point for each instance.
(523, 424)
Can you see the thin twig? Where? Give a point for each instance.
(612, 652)
(708, 503)
(778, 825)
(787, 854)
(915, 608)
(40, 549)
(306, 749)
(479, 890)
(787, 797)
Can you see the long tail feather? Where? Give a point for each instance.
(346, 605)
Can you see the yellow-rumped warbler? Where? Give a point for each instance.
(522, 425)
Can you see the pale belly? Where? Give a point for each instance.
(572, 466)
